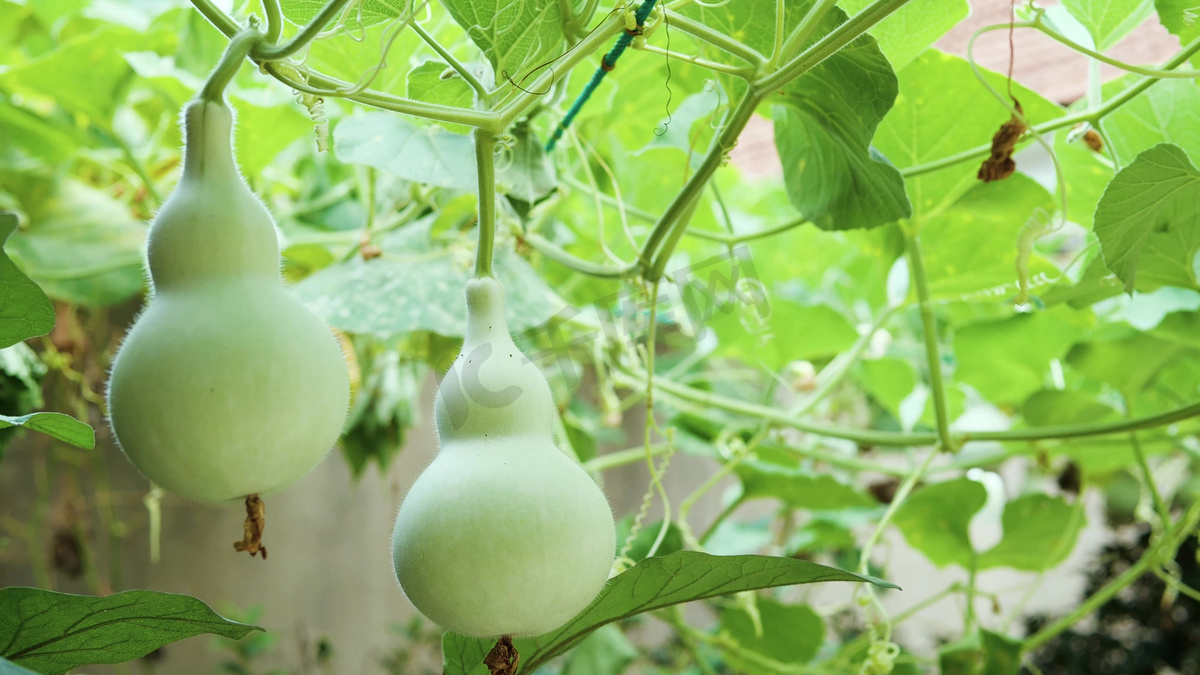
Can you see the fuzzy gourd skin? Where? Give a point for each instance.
(502, 534)
(226, 385)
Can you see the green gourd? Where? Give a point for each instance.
(502, 534)
(226, 386)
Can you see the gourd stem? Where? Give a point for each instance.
(273, 52)
(237, 51)
(485, 145)
(274, 20)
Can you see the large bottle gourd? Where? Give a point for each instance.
(502, 534)
(226, 386)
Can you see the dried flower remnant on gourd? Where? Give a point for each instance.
(503, 658)
(252, 528)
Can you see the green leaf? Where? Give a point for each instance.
(793, 331)
(1053, 406)
(680, 134)
(640, 546)
(1086, 174)
(265, 126)
(9, 668)
(908, 31)
(435, 156)
(1168, 112)
(524, 171)
(25, 311)
(1039, 533)
(1127, 364)
(982, 653)
(1180, 17)
(971, 246)
(414, 291)
(1096, 284)
(63, 427)
(52, 633)
(81, 246)
(1181, 327)
(1148, 223)
(92, 91)
(936, 520)
(1006, 360)
(428, 155)
(605, 652)
(462, 655)
(514, 36)
(832, 174)
(652, 584)
(29, 140)
(927, 124)
(301, 12)
(1109, 20)
(798, 488)
(436, 82)
(791, 634)
(888, 380)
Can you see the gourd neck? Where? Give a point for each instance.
(208, 133)
(485, 311)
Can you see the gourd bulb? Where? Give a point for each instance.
(226, 386)
(502, 534)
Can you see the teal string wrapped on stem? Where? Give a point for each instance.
(607, 63)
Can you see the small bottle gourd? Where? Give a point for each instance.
(502, 534)
(226, 386)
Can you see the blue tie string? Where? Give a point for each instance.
(607, 63)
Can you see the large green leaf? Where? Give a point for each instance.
(1109, 20)
(888, 380)
(386, 141)
(1128, 364)
(9, 668)
(911, 29)
(605, 652)
(81, 245)
(52, 633)
(970, 247)
(25, 311)
(267, 122)
(798, 488)
(928, 123)
(1180, 18)
(791, 634)
(1006, 360)
(1148, 223)
(436, 82)
(823, 132)
(514, 36)
(1039, 533)
(410, 289)
(368, 11)
(936, 520)
(1054, 406)
(793, 331)
(435, 156)
(651, 584)
(93, 91)
(29, 140)
(63, 427)
(982, 653)
(1086, 174)
(1167, 112)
